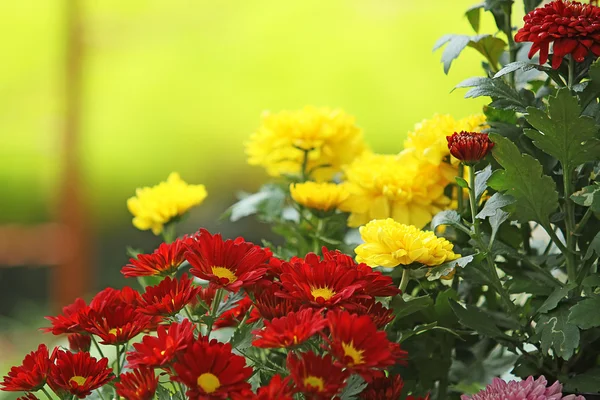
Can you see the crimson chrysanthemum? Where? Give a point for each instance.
(277, 389)
(235, 315)
(380, 315)
(110, 298)
(169, 296)
(79, 342)
(116, 326)
(68, 321)
(270, 306)
(140, 384)
(357, 344)
(211, 371)
(529, 389)
(28, 396)
(469, 147)
(230, 264)
(383, 388)
(160, 350)
(318, 378)
(164, 261)
(319, 283)
(572, 27)
(31, 375)
(78, 373)
(291, 330)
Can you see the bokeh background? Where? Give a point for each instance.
(179, 85)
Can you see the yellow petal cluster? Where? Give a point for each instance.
(323, 196)
(330, 134)
(388, 243)
(383, 186)
(153, 207)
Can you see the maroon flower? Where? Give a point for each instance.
(163, 262)
(140, 384)
(469, 147)
(572, 27)
(383, 388)
(169, 296)
(30, 376)
(269, 305)
(79, 342)
(78, 373)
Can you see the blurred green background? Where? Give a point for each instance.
(178, 86)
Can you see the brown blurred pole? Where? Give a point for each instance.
(70, 279)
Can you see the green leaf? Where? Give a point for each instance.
(455, 44)
(444, 269)
(473, 14)
(490, 47)
(585, 313)
(564, 133)
(587, 382)
(558, 334)
(594, 247)
(490, 4)
(591, 281)
(589, 196)
(462, 182)
(497, 89)
(477, 320)
(530, 5)
(404, 308)
(354, 386)
(442, 306)
(270, 197)
(495, 204)
(522, 178)
(481, 178)
(521, 66)
(448, 217)
(242, 336)
(555, 297)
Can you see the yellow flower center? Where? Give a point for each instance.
(224, 273)
(315, 382)
(208, 382)
(79, 380)
(325, 293)
(115, 331)
(351, 352)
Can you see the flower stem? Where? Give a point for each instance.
(213, 311)
(316, 244)
(46, 393)
(460, 190)
(404, 280)
(512, 49)
(583, 221)
(570, 224)
(118, 359)
(168, 233)
(97, 346)
(571, 80)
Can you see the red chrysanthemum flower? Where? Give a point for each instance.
(164, 261)
(380, 315)
(469, 147)
(116, 326)
(79, 342)
(230, 264)
(398, 353)
(383, 388)
(357, 344)
(202, 302)
(273, 268)
(270, 306)
(78, 373)
(110, 298)
(376, 284)
(234, 316)
(291, 330)
(160, 350)
(277, 389)
(572, 27)
(319, 283)
(211, 371)
(28, 396)
(31, 375)
(68, 322)
(140, 384)
(317, 378)
(169, 296)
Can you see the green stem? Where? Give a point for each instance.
(97, 346)
(46, 393)
(99, 391)
(579, 227)
(316, 244)
(168, 234)
(443, 387)
(555, 238)
(512, 49)
(571, 80)
(304, 174)
(460, 199)
(118, 360)
(188, 314)
(570, 225)
(405, 279)
(213, 311)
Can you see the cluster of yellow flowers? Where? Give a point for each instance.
(153, 207)
(322, 196)
(388, 243)
(328, 137)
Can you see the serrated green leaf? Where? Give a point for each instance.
(354, 386)
(402, 308)
(558, 334)
(589, 196)
(555, 297)
(455, 44)
(493, 204)
(535, 194)
(477, 320)
(481, 178)
(447, 217)
(497, 89)
(588, 382)
(585, 313)
(242, 336)
(489, 46)
(444, 269)
(521, 66)
(473, 14)
(564, 133)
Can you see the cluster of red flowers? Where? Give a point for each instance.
(328, 304)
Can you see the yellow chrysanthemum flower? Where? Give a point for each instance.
(330, 134)
(389, 243)
(383, 186)
(428, 141)
(323, 196)
(153, 207)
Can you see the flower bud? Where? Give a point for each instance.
(469, 147)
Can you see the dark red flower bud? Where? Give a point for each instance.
(469, 147)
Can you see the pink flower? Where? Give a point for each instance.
(529, 389)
